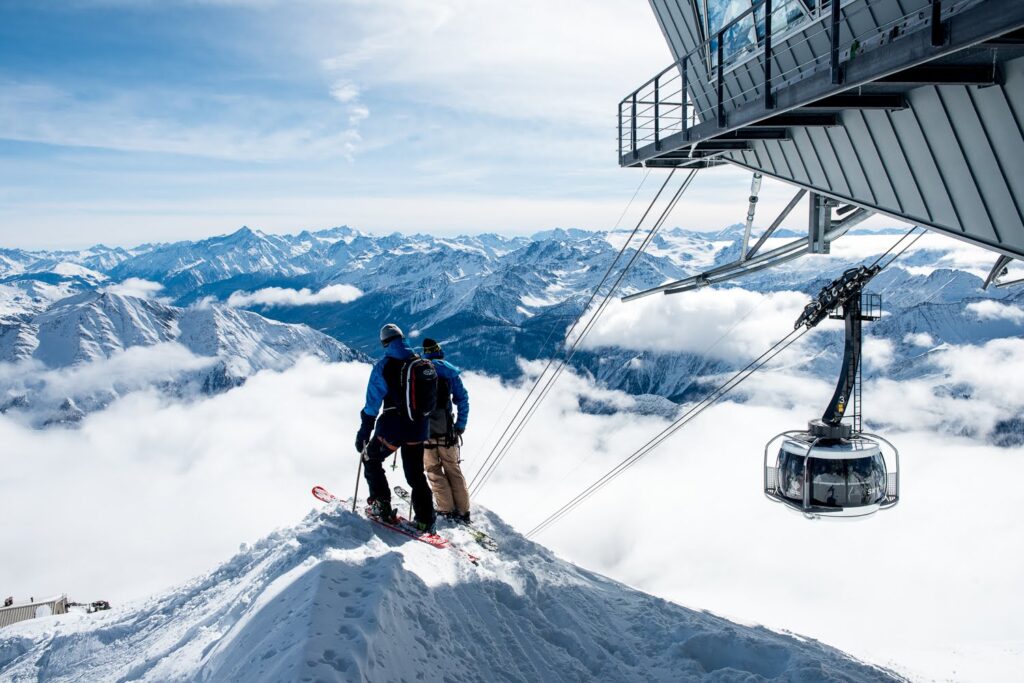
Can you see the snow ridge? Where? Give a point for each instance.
(337, 598)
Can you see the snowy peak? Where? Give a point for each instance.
(94, 325)
(184, 266)
(133, 343)
(340, 598)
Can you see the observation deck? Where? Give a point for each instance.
(910, 108)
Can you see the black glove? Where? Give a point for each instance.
(365, 430)
(458, 434)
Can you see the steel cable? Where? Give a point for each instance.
(551, 360)
(486, 470)
(678, 424)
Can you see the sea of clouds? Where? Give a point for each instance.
(154, 490)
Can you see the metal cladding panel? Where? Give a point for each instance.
(952, 160)
(679, 26)
(887, 166)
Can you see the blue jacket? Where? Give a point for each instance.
(459, 393)
(377, 387)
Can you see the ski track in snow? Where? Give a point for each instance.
(336, 599)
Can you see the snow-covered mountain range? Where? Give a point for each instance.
(65, 358)
(495, 300)
(337, 598)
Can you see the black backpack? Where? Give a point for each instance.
(419, 388)
(442, 420)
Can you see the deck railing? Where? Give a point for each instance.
(662, 107)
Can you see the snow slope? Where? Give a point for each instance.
(337, 598)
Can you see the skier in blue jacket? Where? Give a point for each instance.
(394, 429)
(442, 450)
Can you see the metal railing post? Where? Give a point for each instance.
(633, 130)
(618, 143)
(686, 124)
(836, 75)
(721, 59)
(769, 101)
(657, 114)
(938, 34)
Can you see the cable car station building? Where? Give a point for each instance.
(909, 108)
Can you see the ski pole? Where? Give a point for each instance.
(359, 474)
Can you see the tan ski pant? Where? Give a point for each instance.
(442, 464)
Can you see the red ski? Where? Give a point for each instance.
(326, 496)
(404, 526)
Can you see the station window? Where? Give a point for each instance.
(747, 33)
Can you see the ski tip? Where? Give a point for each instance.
(322, 494)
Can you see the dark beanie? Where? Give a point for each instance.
(432, 348)
(389, 333)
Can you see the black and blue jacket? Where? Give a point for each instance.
(383, 390)
(457, 394)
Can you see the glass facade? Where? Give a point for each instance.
(748, 32)
(838, 483)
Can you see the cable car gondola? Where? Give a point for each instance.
(833, 469)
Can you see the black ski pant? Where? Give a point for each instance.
(412, 462)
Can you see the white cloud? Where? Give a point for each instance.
(994, 369)
(279, 296)
(730, 324)
(345, 91)
(152, 474)
(229, 127)
(922, 339)
(133, 369)
(497, 58)
(348, 93)
(357, 113)
(993, 310)
(137, 287)
(877, 353)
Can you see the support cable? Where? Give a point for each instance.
(484, 475)
(593, 295)
(679, 423)
(487, 470)
(717, 394)
(547, 341)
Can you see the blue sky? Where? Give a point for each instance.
(129, 121)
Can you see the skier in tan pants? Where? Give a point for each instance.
(441, 454)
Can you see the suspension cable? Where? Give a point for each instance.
(717, 394)
(554, 326)
(484, 475)
(486, 470)
(679, 423)
(490, 456)
(896, 244)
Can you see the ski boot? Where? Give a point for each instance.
(382, 510)
(425, 527)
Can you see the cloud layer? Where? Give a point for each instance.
(175, 487)
(993, 310)
(137, 287)
(279, 296)
(728, 324)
